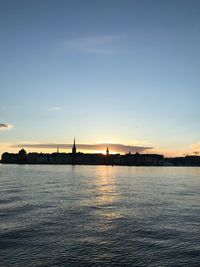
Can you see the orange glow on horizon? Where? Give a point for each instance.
(8, 147)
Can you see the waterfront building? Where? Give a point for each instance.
(74, 148)
(107, 151)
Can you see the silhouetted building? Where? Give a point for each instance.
(22, 158)
(184, 161)
(97, 159)
(107, 151)
(74, 148)
(74, 155)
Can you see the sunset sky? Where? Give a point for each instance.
(125, 72)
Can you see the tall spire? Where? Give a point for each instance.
(74, 147)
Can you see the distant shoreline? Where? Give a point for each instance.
(74, 158)
(90, 164)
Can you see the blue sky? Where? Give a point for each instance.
(125, 72)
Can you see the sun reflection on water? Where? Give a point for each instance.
(106, 197)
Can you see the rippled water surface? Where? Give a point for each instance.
(99, 216)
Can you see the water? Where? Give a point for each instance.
(99, 216)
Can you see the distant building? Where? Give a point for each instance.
(79, 158)
(74, 148)
(22, 157)
(107, 151)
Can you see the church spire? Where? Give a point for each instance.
(74, 147)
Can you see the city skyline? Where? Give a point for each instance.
(109, 72)
(98, 148)
(134, 157)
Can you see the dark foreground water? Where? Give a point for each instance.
(99, 216)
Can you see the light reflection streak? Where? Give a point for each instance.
(102, 200)
(107, 197)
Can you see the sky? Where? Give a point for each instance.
(125, 72)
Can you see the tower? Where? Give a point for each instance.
(74, 148)
(107, 151)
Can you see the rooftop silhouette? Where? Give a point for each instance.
(79, 158)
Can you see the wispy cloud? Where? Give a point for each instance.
(6, 126)
(99, 44)
(89, 147)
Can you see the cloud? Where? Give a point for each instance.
(121, 148)
(99, 44)
(5, 126)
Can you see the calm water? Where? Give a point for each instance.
(99, 216)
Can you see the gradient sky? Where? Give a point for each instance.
(126, 72)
